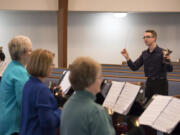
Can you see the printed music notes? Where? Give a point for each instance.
(121, 97)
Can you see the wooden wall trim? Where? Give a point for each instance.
(62, 16)
(121, 76)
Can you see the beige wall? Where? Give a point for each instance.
(95, 5)
(49, 5)
(125, 5)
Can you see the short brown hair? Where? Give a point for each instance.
(153, 32)
(83, 72)
(40, 62)
(17, 46)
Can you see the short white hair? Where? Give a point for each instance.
(18, 45)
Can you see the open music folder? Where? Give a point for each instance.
(3, 66)
(163, 113)
(65, 83)
(121, 96)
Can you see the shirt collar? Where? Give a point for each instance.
(35, 79)
(16, 63)
(86, 94)
(155, 50)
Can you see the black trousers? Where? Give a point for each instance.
(14, 134)
(155, 86)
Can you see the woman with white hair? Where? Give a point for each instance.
(12, 83)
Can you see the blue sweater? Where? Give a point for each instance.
(40, 114)
(11, 86)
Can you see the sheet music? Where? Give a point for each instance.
(162, 114)
(153, 110)
(3, 66)
(126, 98)
(169, 117)
(113, 94)
(65, 83)
(121, 97)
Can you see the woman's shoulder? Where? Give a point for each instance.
(95, 108)
(17, 69)
(15, 66)
(15, 72)
(34, 84)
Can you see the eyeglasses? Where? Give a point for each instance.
(147, 37)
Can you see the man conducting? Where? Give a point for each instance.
(155, 67)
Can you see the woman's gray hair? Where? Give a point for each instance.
(83, 72)
(18, 46)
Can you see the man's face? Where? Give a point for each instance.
(149, 39)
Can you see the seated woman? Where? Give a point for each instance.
(12, 83)
(2, 55)
(3, 64)
(80, 114)
(40, 114)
